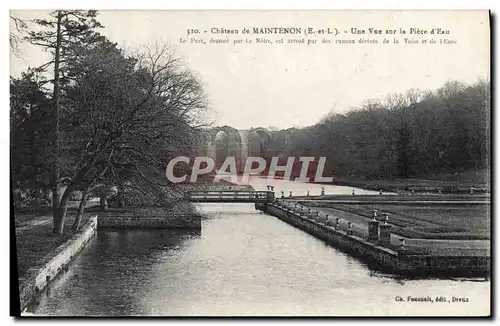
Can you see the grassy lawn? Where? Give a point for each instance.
(473, 219)
(34, 243)
(400, 198)
(430, 221)
(24, 218)
(458, 182)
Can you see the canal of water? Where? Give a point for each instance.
(242, 263)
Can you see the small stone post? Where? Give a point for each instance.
(385, 234)
(373, 227)
(322, 191)
(307, 193)
(402, 243)
(290, 194)
(316, 216)
(353, 192)
(386, 218)
(349, 228)
(282, 194)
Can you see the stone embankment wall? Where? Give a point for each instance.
(182, 216)
(377, 255)
(38, 278)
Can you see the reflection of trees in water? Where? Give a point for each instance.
(123, 260)
(143, 243)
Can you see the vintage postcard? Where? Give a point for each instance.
(250, 163)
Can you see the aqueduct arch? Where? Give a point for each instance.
(222, 142)
(226, 141)
(264, 140)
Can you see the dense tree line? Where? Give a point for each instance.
(407, 135)
(95, 117)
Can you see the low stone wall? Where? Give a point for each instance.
(380, 257)
(37, 278)
(150, 217)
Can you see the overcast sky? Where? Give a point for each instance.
(295, 84)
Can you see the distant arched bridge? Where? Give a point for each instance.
(222, 142)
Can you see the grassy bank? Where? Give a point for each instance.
(457, 222)
(35, 240)
(458, 182)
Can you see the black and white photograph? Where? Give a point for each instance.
(250, 163)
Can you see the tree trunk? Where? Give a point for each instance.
(79, 212)
(55, 205)
(120, 197)
(103, 201)
(56, 169)
(63, 209)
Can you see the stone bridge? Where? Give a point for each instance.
(238, 196)
(221, 142)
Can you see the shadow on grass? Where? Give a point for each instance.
(35, 243)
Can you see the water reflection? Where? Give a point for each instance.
(301, 188)
(243, 263)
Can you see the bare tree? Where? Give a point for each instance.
(129, 115)
(18, 26)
